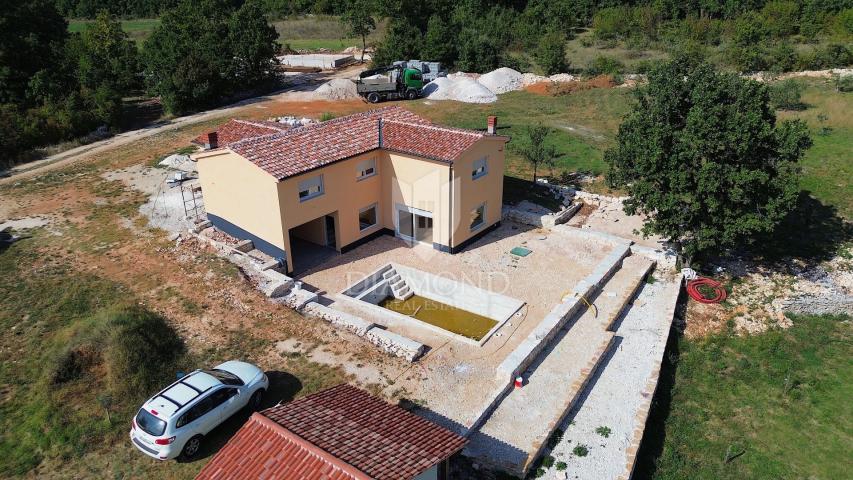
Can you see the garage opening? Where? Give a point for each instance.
(313, 243)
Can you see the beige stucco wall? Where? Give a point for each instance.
(421, 184)
(468, 194)
(342, 193)
(241, 193)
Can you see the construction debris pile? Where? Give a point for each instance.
(337, 89)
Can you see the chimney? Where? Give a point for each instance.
(212, 141)
(493, 125)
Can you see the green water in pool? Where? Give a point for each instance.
(452, 319)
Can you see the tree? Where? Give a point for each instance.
(439, 44)
(32, 39)
(701, 156)
(551, 53)
(534, 149)
(358, 19)
(253, 43)
(205, 50)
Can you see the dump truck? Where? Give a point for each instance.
(429, 70)
(390, 83)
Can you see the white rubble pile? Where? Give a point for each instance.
(179, 162)
(459, 88)
(528, 79)
(337, 89)
(291, 121)
(502, 80)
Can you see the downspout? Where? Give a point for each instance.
(450, 233)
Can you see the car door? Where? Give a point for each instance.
(225, 403)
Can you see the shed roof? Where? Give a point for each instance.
(340, 433)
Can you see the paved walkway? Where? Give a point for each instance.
(519, 427)
(619, 394)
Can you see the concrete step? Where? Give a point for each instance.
(404, 294)
(398, 285)
(620, 290)
(388, 274)
(515, 433)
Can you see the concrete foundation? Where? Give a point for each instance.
(324, 61)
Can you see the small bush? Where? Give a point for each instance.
(548, 461)
(326, 116)
(551, 53)
(142, 351)
(845, 83)
(581, 450)
(561, 466)
(603, 65)
(785, 95)
(603, 431)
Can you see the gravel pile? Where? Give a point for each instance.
(562, 77)
(460, 88)
(502, 80)
(337, 89)
(528, 79)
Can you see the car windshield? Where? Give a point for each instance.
(226, 378)
(149, 423)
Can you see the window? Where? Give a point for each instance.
(150, 424)
(367, 217)
(478, 217)
(227, 378)
(366, 168)
(480, 168)
(308, 189)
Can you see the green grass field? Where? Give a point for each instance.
(316, 32)
(771, 405)
(138, 29)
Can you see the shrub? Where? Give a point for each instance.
(845, 83)
(603, 65)
(603, 431)
(782, 58)
(326, 116)
(142, 351)
(561, 466)
(551, 53)
(612, 23)
(581, 450)
(785, 95)
(548, 461)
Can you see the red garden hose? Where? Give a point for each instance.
(693, 290)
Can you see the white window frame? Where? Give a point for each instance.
(479, 225)
(375, 217)
(481, 168)
(363, 166)
(307, 185)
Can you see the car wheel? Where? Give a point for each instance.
(192, 447)
(373, 97)
(412, 94)
(255, 401)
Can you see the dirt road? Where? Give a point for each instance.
(298, 91)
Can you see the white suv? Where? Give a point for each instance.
(174, 422)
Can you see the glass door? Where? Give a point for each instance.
(405, 224)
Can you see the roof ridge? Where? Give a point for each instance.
(437, 127)
(261, 124)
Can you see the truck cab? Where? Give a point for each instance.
(390, 83)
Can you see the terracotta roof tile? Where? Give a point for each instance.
(295, 151)
(262, 449)
(235, 130)
(380, 439)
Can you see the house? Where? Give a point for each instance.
(342, 433)
(341, 183)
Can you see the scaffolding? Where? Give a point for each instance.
(193, 202)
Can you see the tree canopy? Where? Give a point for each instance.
(702, 156)
(206, 50)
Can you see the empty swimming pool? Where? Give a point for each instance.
(465, 312)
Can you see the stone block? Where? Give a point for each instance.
(395, 344)
(245, 246)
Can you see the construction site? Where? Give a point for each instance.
(313, 231)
